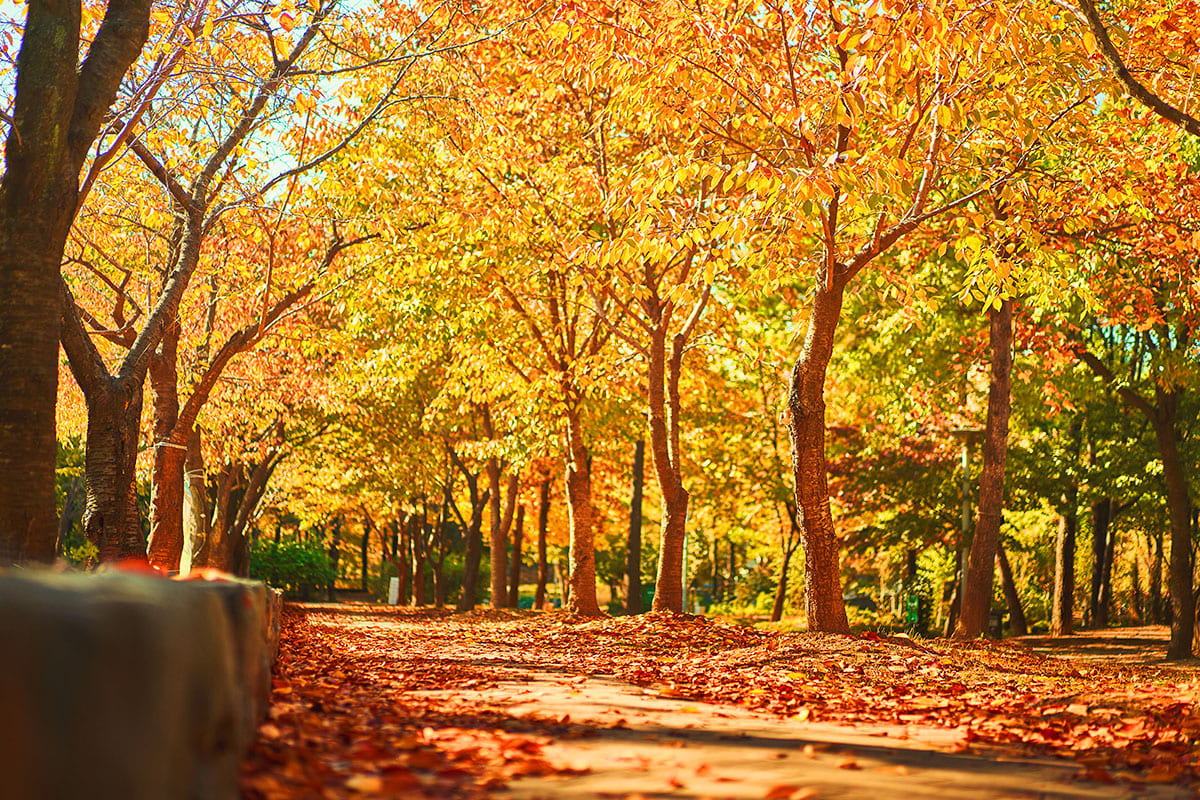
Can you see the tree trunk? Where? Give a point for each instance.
(1179, 568)
(825, 609)
(421, 544)
(165, 547)
(59, 102)
(781, 587)
(1157, 607)
(633, 553)
(112, 520)
(362, 553)
(335, 555)
(501, 523)
(981, 564)
(1101, 533)
(195, 504)
(1062, 614)
(1062, 611)
(581, 596)
(498, 540)
(514, 575)
(539, 599)
(664, 448)
(474, 554)
(1016, 614)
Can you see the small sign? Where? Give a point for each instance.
(394, 591)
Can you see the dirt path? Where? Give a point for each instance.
(1141, 648)
(644, 745)
(380, 702)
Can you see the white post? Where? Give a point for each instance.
(394, 591)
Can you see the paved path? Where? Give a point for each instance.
(644, 745)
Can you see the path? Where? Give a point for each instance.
(1142, 648)
(380, 702)
(682, 749)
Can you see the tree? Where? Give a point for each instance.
(62, 101)
(977, 582)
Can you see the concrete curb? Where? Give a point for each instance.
(130, 687)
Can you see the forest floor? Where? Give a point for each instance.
(374, 701)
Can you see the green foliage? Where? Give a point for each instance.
(300, 569)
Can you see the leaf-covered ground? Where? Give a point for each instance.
(347, 719)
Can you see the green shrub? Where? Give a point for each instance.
(301, 569)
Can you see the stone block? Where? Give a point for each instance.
(129, 687)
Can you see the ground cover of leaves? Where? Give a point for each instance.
(344, 722)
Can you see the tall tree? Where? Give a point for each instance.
(981, 566)
(61, 105)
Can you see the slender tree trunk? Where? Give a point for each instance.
(955, 604)
(165, 547)
(581, 596)
(408, 531)
(112, 520)
(825, 609)
(539, 599)
(1016, 614)
(1101, 531)
(421, 545)
(732, 570)
(70, 510)
(499, 541)
(335, 556)
(663, 397)
(1062, 614)
(782, 586)
(474, 554)
(1157, 606)
(362, 558)
(633, 553)
(514, 576)
(501, 523)
(981, 564)
(196, 513)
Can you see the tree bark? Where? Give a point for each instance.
(514, 575)
(195, 503)
(633, 553)
(981, 564)
(420, 551)
(1179, 567)
(825, 610)
(1062, 615)
(781, 587)
(500, 523)
(581, 596)
(474, 537)
(1101, 572)
(1062, 612)
(58, 107)
(1016, 614)
(165, 547)
(539, 599)
(112, 520)
(664, 405)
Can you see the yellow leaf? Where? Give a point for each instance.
(558, 31)
(1089, 43)
(367, 784)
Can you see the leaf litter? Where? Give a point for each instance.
(345, 721)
